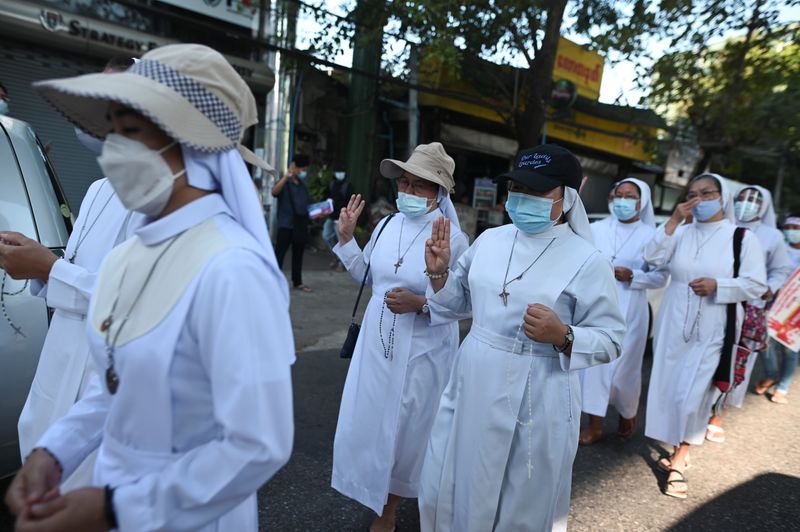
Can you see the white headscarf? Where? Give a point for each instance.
(226, 173)
(725, 192)
(447, 207)
(646, 213)
(576, 215)
(767, 212)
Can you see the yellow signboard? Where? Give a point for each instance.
(609, 136)
(581, 66)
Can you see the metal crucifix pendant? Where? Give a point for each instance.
(504, 296)
(398, 264)
(112, 380)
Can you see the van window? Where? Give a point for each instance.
(15, 209)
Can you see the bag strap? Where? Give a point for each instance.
(366, 272)
(738, 237)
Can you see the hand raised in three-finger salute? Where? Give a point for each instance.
(437, 252)
(348, 217)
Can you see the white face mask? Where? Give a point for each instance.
(140, 176)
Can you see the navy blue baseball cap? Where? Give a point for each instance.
(544, 168)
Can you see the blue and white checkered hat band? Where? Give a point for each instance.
(201, 98)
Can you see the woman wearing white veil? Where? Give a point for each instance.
(622, 238)
(753, 209)
(695, 331)
(543, 305)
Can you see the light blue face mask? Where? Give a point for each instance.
(792, 235)
(530, 214)
(411, 205)
(3, 107)
(746, 211)
(339, 176)
(625, 208)
(302, 175)
(706, 209)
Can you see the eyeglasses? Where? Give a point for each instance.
(705, 194)
(626, 196)
(418, 186)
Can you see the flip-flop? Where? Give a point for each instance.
(302, 288)
(761, 389)
(779, 398)
(669, 489)
(715, 433)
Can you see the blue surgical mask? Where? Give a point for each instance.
(530, 214)
(339, 176)
(411, 205)
(792, 235)
(706, 209)
(746, 211)
(302, 174)
(625, 208)
(3, 107)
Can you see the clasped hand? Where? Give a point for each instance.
(704, 286)
(403, 300)
(541, 324)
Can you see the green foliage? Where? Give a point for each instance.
(318, 186)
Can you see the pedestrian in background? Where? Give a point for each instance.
(780, 362)
(753, 210)
(339, 191)
(293, 201)
(696, 329)
(402, 359)
(189, 320)
(622, 238)
(544, 305)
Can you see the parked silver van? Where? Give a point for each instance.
(33, 203)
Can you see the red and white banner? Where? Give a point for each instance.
(784, 316)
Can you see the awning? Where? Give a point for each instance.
(474, 140)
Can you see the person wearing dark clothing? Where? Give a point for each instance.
(339, 190)
(293, 201)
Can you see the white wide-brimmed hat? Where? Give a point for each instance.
(428, 161)
(188, 90)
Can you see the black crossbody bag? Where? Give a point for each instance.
(355, 328)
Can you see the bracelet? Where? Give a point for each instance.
(50, 454)
(435, 276)
(108, 508)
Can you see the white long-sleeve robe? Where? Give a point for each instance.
(476, 474)
(620, 382)
(681, 393)
(779, 269)
(203, 414)
(65, 367)
(388, 405)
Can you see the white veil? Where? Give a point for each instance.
(646, 212)
(576, 215)
(725, 191)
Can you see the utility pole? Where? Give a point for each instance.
(363, 96)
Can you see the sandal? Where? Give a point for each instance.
(779, 398)
(677, 487)
(665, 464)
(715, 433)
(302, 288)
(764, 386)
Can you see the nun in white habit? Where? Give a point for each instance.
(753, 210)
(189, 320)
(690, 333)
(622, 238)
(402, 359)
(544, 305)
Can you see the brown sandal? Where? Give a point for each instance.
(764, 386)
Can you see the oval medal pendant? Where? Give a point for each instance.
(112, 380)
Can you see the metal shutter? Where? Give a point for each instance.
(22, 64)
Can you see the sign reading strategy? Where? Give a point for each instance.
(579, 65)
(239, 12)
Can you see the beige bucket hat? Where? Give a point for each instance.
(428, 161)
(189, 90)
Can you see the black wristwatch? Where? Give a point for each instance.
(424, 309)
(568, 339)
